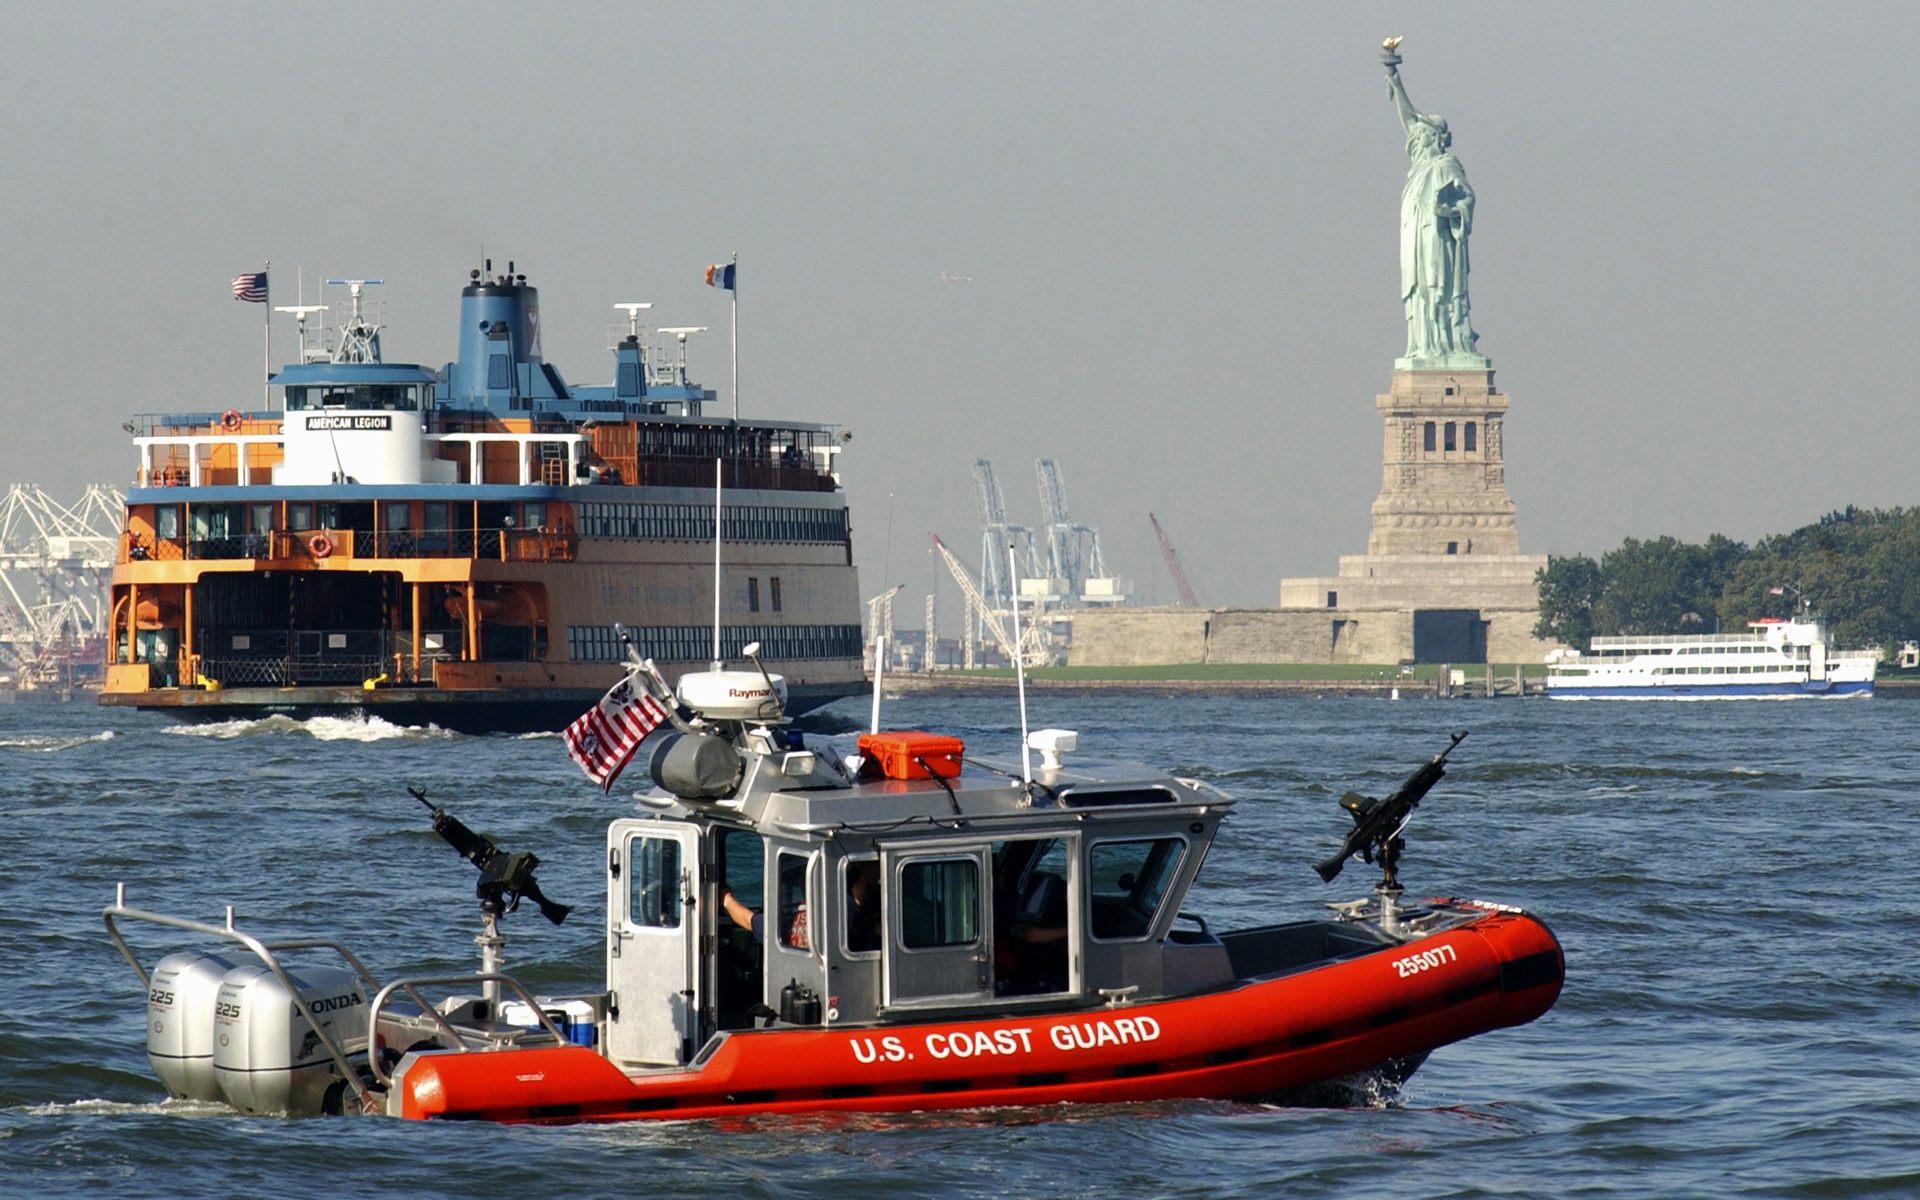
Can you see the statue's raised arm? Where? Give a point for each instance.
(1397, 91)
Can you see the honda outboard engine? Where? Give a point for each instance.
(266, 1057)
(180, 997)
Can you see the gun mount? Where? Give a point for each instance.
(504, 879)
(1377, 824)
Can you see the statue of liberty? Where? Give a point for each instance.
(1436, 217)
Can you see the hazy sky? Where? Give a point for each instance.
(1694, 252)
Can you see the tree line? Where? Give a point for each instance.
(1858, 568)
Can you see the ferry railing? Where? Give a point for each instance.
(264, 952)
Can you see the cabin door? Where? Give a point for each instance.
(653, 936)
(934, 908)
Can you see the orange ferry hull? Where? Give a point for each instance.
(1254, 1039)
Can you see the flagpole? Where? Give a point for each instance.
(266, 323)
(717, 521)
(734, 291)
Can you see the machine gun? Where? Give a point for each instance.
(1375, 835)
(504, 877)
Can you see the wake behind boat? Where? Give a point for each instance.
(1776, 660)
(914, 927)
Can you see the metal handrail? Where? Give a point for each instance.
(264, 952)
(449, 1028)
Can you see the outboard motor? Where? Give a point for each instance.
(266, 1057)
(180, 1001)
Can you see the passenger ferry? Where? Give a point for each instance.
(919, 926)
(1776, 660)
(458, 545)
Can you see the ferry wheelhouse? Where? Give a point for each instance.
(1774, 660)
(458, 545)
(915, 927)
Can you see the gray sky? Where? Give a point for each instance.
(1694, 253)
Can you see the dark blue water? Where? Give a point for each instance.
(1733, 884)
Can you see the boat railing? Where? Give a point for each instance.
(264, 951)
(465, 1040)
(499, 545)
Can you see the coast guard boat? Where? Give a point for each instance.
(913, 927)
(1775, 660)
(457, 545)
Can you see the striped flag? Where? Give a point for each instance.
(720, 275)
(251, 288)
(603, 740)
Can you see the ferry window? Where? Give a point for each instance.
(262, 518)
(398, 515)
(496, 372)
(1449, 435)
(1428, 437)
(296, 398)
(773, 590)
(791, 893)
(939, 903)
(533, 516)
(753, 595)
(299, 516)
(1128, 880)
(863, 904)
(1471, 436)
(654, 864)
(166, 521)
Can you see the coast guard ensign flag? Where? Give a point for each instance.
(603, 740)
(720, 275)
(251, 288)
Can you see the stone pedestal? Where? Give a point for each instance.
(1443, 487)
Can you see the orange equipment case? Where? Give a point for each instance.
(901, 755)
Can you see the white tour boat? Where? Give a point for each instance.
(1774, 660)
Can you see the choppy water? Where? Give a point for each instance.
(1733, 884)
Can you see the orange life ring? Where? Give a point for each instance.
(320, 546)
(230, 420)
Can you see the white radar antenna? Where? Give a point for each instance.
(310, 351)
(680, 332)
(633, 309)
(360, 339)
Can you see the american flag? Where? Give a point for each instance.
(603, 740)
(251, 288)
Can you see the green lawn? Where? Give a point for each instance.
(1310, 672)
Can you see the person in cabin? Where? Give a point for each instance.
(863, 912)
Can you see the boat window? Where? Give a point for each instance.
(1030, 916)
(383, 397)
(262, 518)
(398, 516)
(1128, 880)
(791, 893)
(938, 902)
(166, 521)
(862, 891)
(1083, 798)
(533, 515)
(742, 864)
(656, 882)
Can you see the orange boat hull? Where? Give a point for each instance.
(1251, 1040)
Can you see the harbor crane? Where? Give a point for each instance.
(999, 591)
(1073, 551)
(1032, 650)
(880, 623)
(1188, 596)
(54, 562)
